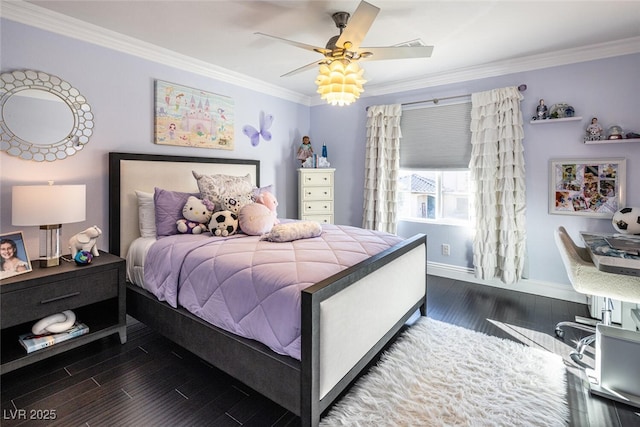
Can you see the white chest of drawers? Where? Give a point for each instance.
(315, 194)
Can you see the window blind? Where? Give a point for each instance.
(436, 137)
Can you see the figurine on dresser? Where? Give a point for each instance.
(305, 150)
(85, 241)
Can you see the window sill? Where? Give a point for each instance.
(453, 222)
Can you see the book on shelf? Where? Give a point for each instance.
(33, 342)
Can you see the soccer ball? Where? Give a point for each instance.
(627, 220)
(223, 223)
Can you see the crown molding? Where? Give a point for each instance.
(44, 19)
(500, 68)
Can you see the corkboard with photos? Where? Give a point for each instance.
(587, 187)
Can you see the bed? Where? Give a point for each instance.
(346, 319)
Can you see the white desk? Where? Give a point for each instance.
(608, 259)
(617, 350)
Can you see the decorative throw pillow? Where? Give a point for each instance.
(168, 210)
(256, 219)
(213, 187)
(290, 231)
(259, 190)
(235, 202)
(146, 214)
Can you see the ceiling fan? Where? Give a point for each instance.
(345, 47)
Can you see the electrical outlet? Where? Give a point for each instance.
(446, 249)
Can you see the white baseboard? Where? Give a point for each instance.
(545, 289)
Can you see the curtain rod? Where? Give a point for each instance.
(521, 88)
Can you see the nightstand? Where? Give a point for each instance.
(95, 292)
(315, 194)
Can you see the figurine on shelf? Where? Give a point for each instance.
(305, 151)
(541, 111)
(594, 131)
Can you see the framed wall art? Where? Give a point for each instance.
(13, 255)
(192, 118)
(587, 187)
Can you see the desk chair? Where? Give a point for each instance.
(587, 279)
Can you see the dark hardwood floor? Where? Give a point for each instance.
(149, 381)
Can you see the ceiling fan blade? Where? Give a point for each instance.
(358, 25)
(293, 43)
(396, 52)
(303, 68)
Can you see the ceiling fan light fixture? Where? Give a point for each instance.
(340, 83)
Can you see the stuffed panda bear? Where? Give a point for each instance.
(223, 223)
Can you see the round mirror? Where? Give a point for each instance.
(42, 117)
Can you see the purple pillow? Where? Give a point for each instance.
(259, 190)
(168, 205)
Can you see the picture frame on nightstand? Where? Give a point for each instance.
(14, 259)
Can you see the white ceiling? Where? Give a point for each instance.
(471, 38)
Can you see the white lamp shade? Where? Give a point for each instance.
(340, 82)
(48, 204)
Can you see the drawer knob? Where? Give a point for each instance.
(309, 193)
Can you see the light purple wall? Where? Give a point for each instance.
(606, 88)
(119, 89)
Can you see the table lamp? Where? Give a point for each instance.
(48, 206)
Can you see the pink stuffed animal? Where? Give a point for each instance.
(269, 200)
(256, 219)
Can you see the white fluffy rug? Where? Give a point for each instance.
(437, 374)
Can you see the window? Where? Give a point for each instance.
(434, 195)
(435, 149)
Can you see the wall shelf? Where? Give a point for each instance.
(613, 141)
(547, 121)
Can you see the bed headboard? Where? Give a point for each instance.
(130, 172)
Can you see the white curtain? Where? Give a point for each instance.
(498, 182)
(382, 162)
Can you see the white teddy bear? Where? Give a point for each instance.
(196, 215)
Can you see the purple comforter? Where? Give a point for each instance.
(252, 287)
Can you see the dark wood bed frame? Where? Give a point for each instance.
(293, 384)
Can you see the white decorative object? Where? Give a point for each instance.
(55, 323)
(85, 241)
(321, 162)
(627, 220)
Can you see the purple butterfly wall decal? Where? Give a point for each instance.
(266, 120)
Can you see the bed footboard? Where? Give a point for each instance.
(348, 319)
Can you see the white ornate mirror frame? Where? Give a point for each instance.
(42, 117)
